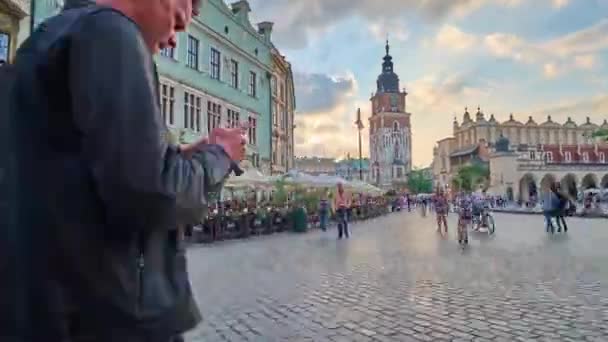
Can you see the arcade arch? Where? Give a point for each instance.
(589, 182)
(547, 181)
(604, 184)
(528, 188)
(570, 185)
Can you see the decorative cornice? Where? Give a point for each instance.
(223, 7)
(21, 7)
(232, 45)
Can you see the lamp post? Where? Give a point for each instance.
(360, 127)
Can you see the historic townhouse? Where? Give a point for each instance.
(221, 74)
(283, 110)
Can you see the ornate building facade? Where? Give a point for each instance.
(14, 27)
(352, 169)
(283, 111)
(316, 165)
(525, 158)
(389, 128)
(221, 74)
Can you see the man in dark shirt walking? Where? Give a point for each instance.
(99, 184)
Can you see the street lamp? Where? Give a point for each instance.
(360, 127)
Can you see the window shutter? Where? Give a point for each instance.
(242, 81)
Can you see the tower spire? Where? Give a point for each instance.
(387, 47)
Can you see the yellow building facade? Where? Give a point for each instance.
(14, 27)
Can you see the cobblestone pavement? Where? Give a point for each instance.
(396, 279)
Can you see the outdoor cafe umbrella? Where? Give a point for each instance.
(251, 178)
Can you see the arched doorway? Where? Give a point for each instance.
(589, 182)
(527, 188)
(546, 182)
(605, 182)
(570, 185)
(510, 196)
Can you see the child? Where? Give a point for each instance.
(465, 218)
(441, 209)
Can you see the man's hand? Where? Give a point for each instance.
(187, 150)
(233, 140)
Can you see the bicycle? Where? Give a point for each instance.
(490, 223)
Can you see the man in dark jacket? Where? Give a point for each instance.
(99, 185)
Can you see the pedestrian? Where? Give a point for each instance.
(342, 203)
(93, 241)
(561, 209)
(441, 209)
(324, 211)
(550, 208)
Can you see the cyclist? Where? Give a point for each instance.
(480, 204)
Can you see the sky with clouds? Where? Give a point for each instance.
(526, 57)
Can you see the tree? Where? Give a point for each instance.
(602, 134)
(418, 182)
(471, 177)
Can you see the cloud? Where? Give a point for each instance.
(302, 20)
(395, 29)
(453, 38)
(557, 56)
(318, 93)
(328, 134)
(587, 62)
(595, 107)
(504, 45)
(326, 113)
(559, 4)
(551, 70)
(591, 39)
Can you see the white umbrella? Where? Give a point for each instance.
(251, 178)
(326, 181)
(298, 178)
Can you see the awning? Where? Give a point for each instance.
(465, 151)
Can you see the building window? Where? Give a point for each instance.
(168, 52)
(5, 44)
(214, 116)
(285, 118)
(234, 74)
(193, 46)
(253, 80)
(168, 104)
(192, 112)
(255, 160)
(253, 138)
(568, 157)
(399, 172)
(198, 110)
(549, 157)
(533, 155)
(216, 63)
(586, 157)
(273, 85)
(233, 118)
(602, 157)
(395, 126)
